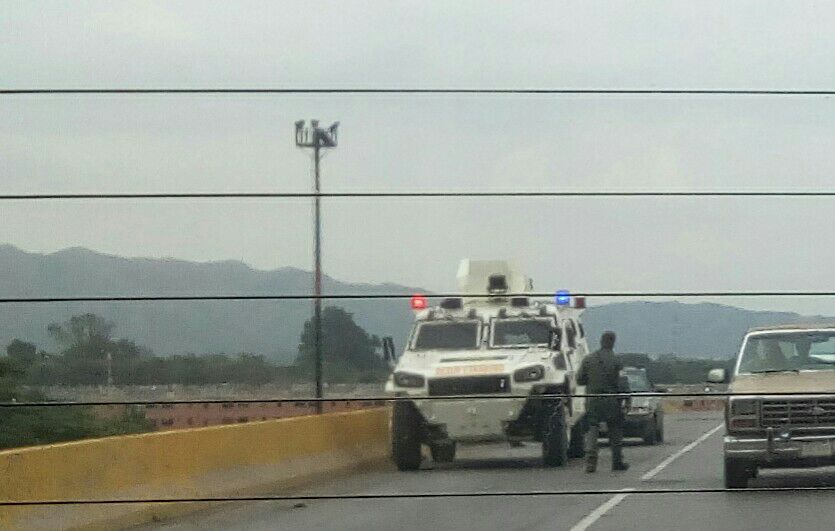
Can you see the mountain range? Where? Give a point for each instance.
(272, 327)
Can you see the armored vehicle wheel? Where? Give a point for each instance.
(737, 473)
(443, 451)
(575, 443)
(555, 438)
(405, 436)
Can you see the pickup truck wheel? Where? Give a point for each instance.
(737, 473)
(443, 451)
(555, 438)
(405, 436)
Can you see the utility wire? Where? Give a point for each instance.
(414, 495)
(373, 296)
(393, 90)
(385, 398)
(408, 194)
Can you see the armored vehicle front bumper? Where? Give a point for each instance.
(472, 419)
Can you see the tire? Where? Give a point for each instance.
(405, 436)
(651, 432)
(737, 473)
(443, 452)
(555, 438)
(576, 439)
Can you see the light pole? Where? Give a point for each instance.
(316, 138)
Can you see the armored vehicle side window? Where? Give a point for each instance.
(447, 335)
(523, 332)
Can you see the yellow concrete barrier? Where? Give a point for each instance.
(214, 461)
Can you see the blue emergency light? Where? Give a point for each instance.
(563, 297)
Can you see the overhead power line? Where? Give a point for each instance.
(406, 495)
(386, 399)
(416, 194)
(418, 90)
(372, 296)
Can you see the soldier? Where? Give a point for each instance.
(600, 373)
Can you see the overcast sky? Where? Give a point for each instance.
(188, 143)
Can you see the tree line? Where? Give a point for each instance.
(88, 354)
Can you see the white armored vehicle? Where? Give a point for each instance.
(498, 354)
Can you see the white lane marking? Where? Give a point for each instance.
(665, 463)
(595, 515)
(612, 502)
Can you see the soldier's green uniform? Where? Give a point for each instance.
(600, 373)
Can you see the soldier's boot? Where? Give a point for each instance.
(620, 466)
(616, 442)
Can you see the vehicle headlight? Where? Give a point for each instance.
(529, 374)
(743, 407)
(407, 379)
(639, 410)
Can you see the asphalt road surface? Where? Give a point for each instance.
(690, 458)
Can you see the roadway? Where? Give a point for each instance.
(690, 458)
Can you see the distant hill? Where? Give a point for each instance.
(267, 327)
(272, 328)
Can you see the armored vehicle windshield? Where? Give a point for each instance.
(451, 335)
(523, 332)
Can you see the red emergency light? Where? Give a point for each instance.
(419, 302)
(579, 302)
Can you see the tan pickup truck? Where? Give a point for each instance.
(785, 413)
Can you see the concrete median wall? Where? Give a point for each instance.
(252, 458)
